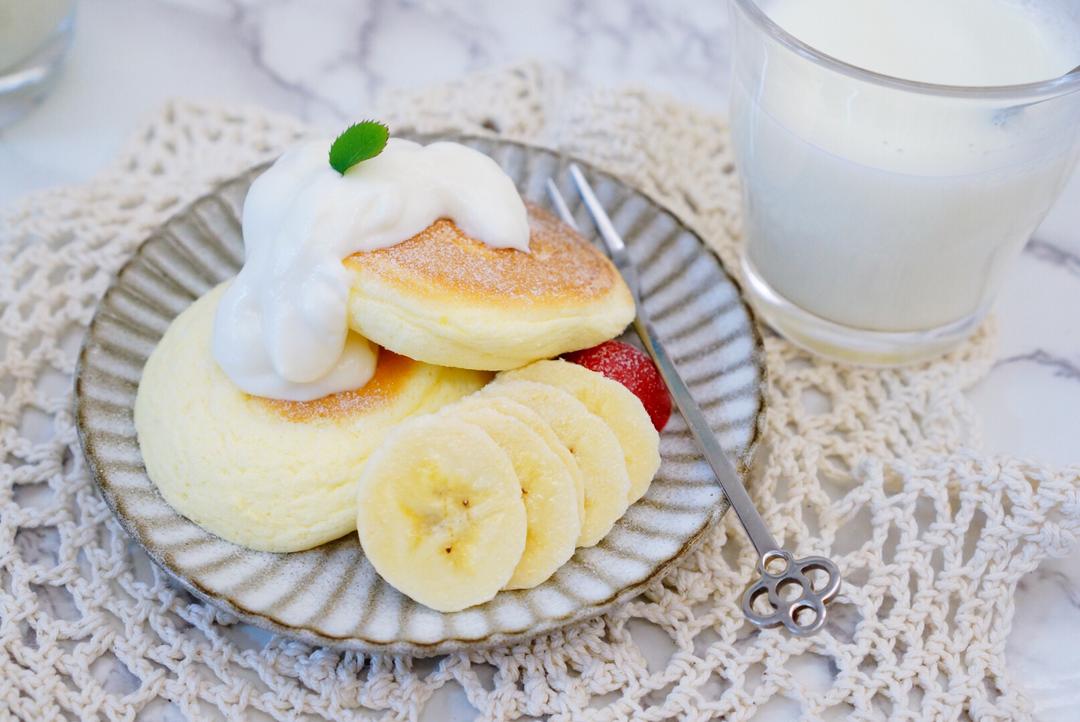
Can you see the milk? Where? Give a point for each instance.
(949, 42)
(884, 209)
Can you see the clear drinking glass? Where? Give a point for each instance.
(34, 36)
(881, 214)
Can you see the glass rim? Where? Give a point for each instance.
(1061, 85)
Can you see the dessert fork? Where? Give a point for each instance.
(793, 600)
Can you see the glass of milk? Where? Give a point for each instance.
(34, 36)
(895, 155)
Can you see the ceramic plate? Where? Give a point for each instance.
(331, 594)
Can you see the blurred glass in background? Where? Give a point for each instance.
(34, 36)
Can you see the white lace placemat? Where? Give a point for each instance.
(89, 629)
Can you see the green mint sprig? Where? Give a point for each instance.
(359, 142)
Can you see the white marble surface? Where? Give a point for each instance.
(328, 60)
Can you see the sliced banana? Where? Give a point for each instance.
(537, 425)
(593, 444)
(440, 513)
(549, 492)
(612, 402)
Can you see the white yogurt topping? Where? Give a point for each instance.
(281, 328)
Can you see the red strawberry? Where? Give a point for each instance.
(633, 369)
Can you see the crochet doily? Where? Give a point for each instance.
(89, 629)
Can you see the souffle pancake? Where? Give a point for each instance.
(342, 381)
(269, 474)
(449, 299)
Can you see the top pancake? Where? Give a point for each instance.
(448, 299)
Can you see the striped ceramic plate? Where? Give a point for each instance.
(331, 594)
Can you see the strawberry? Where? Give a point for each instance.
(633, 369)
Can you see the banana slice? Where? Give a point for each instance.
(593, 444)
(550, 494)
(440, 513)
(612, 402)
(537, 425)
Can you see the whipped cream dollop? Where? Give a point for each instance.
(281, 329)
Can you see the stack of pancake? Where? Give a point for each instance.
(446, 311)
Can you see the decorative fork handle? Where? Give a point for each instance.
(784, 594)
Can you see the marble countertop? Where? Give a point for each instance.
(328, 61)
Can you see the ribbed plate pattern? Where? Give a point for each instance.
(331, 594)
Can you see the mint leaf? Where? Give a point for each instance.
(358, 143)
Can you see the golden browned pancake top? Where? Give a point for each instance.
(390, 373)
(560, 265)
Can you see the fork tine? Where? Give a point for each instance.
(559, 203)
(599, 215)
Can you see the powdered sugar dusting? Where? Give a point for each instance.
(560, 267)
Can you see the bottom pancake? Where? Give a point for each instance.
(270, 475)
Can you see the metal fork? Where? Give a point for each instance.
(794, 601)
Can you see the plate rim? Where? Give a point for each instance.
(448, 644)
